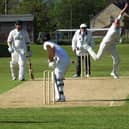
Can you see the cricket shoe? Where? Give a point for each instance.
(114, 75)
(87, 75)
(61, 99)
(14, 78)
(23, 79)
(76, 76)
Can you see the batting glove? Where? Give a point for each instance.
(52, 64)
(11, 50)
(56, 60)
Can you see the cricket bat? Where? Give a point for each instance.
(31, 75)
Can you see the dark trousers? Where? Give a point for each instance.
(87, 65)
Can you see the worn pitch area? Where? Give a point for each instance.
(99, 91)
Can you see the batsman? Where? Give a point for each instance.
(18, 42)
(59, 60)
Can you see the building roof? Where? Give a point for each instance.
(103, 18)
(13, 18)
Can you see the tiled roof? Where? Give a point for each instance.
(13, 18)
(103, 18)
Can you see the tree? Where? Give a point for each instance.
(71, 13)
(53, 14)
(2, 7)
(40, 12)
(8, 6)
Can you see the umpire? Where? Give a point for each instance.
(81, 38)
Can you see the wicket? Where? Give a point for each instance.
(48, 87)
(84, 58)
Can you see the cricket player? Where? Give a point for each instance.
(109, 43)
(60, 61)
(18, 42)
(82, 37)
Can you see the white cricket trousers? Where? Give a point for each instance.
(111, 49)
(60, 71)
(17, 65)
(107, 48)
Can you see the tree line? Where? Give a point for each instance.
(53, 14)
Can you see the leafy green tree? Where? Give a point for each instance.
(53, 14)
(40, 12)
(2, 7)
(9, 5)
(70, 13)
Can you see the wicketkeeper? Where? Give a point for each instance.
(18, 42)
(60, 61)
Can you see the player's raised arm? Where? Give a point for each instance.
(117, 20)
(124, 9)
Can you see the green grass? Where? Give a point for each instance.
(102, 67)
(5, 80)
(70, 117)
(65, 118)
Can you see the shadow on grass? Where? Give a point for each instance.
(25, 121)
(95, 100)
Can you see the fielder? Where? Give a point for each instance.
(109, 43)
(60, 61)
(18, 41)
(81, 38)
